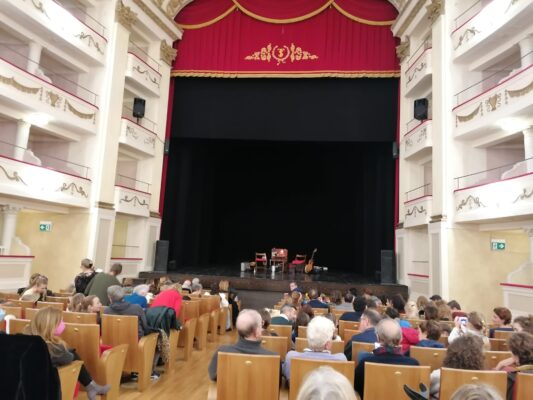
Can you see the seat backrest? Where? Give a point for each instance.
(17, 325)
(414, 322)
(428, 356)
(300, 367)
(85, 339)
(338, 314)
(358, 347)
(302, 332)
(112, 362)
(16, 311)
(9, 296)
(205, 305)
(214, 302)
(79, 317)
(58, 299)
(336, 346)
(385, 381)
(523, 386)
(29, 313)
(347, 325)
(244, 376)
(444, 340)
(452, 379)
(498, 345)
(277, 344)
(122, 329)
(502, 334)
(492, 358)
(320, 311)
(68, 376)
(189, 309)
(23, 304)
(44, 304)
(348, 333)
(283, 331)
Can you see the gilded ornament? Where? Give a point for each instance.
(412, 15)
(466, 36)
(422, 135)
(524, 195)
(147, 73)
(493, 102)
(281, 53)
(173, 7)
(20, 87)
(421, 67)
(135, 201)
(435, 9)
(40, 7)
(167, 53)
(408, 143)
(403, 49)
(13, 177)
(470, 201)
(520, 92)
(154, 17)
(73, 188)
(77, 113)
(54, 98)
(468, 117)
(124, 15)
(90, 41)
(150, 141)
(131, 132)
(415, 210)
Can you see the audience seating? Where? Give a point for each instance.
(30, 313)
(79, 318)
(348, 333)
(452, 379)
(16, 311)
(276, 344)
(200, 334)
(243, 376)
(189, 309)
(492, 358)
(336, 346)
(524, 386)
(58, 299)
(68, 376)
(498, 345)
(173, 342)
(414, 322)
(502, 334)
(283, 331)
(23, 305)
(186, 339)
(9, 296)
(428, 356)
(120, 329)
(385, 381)
(44, 304)
(301, 367)
(358, 347)
(347, 325)
(320, 311)
(338, 313)
(222, 320)
(214, 316)
(444, 340)
(302, 332)
(17, 325)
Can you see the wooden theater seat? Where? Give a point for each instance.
(320, 311)
(17, 325)
(23, 304)
(30, 313)
(277, 344)
(173, 342)
(123, 329)
(302, 332)
(222, 320)
(79, 317)
(347, 325)
(186, 338)
(498, 345)
(503, 334)
(301, 367)
(385, 381)
(44, 304)
(283, 331)
(358, 347)
(58, 299)
(68, 377)
(9, 296)
(16, 311)
(428, 356)
(243, 376)
(200, 334)
(189, 309)
(348, 334)
(214, 316)
(523, 386)
(492, 358)
(336, 346)
(453, 379)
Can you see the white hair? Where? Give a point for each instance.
(324, 383)
(319, 331)
(195, 281)
(140, 289)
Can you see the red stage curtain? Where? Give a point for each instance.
(327, 44)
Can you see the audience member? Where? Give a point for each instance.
(266, 319)
(476, 392)
(314, 301)
(196, 288)
(85, 276)
(302, 319)
(102, 281)
(435, 297)
(455, 307)
(393, 313)
(347, 304)
(75, 302)
(410, 336)
(421, 303)
(168, 297)
(324, 383)
(306, 308)
(319, 337)
(287, 316)
(293, 286)
(138, 296)
(37, 291)
(474, 326)
(373, 304)
(523, 324)
(248, 325)
(118, 306)
(48, 324)
(91, 304)
(367, 329)
(332, 318)
(444, 312)
(297, 298)
(464, 353)
(431, 312)
(359, 305)
(430, 332)
(411, 310)
(389, 335)
(186, 286)
(398, 303)
(501, 319)
(335, 298)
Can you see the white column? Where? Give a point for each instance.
(21, 140)
(34, 57)
(526, 51)
(530, 237)
(528, 147)
(9, 225)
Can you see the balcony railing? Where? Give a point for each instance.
(412, 124)
(417, 193)
(426, 44)
(132, 183)
(143, 55)
(25, 155)
(492, 80)
(145, 122)
(84, 18)
(469, 13)
(16, 58)
(494, 174)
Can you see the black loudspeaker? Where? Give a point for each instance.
(138, 107)
(388, 267)
(421, 109)
(161, 255)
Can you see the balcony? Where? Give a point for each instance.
(418, 74)
(503, 192)
(417, 207)
(142, 72)
(74, 31)
(417, 142)
(494, 23)
(132, 196)
(54, 180)
(69, 105)
(14, 271)
(137, 138)
(482, 107)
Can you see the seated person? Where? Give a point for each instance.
(430, 332)
(139, 296)
(319, 337)
(186, 287)
(476, 392)
(501, 319)
(287, 316)
(359, 305)
(409, 335)
(314, 301)
(37, 289)
(389, 335)
(455, 307)
(326, 383)
(74, 304)
(332, 318)
(102, 281)
(118, 306)
(43, 290)
(367, 327)
(347, 304)
(523, 324)
(249, 329)
(49, 325)
(474, 326)
(302, 319)
(266, 318)
(169, 296)
(293, 286)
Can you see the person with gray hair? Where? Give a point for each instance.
(139, 296)
(324, 383)
(249, 326)
(389, 335)
(119, 306)
(367, 327)
(476, 392)
(287, 316)
(196, 288)
(319, 337)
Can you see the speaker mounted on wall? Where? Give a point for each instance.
(138, 107)
(421, 109)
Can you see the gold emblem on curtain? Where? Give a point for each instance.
(280, 54)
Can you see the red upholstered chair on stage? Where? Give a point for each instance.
(298, 262)
(261, 261)
(279, 257)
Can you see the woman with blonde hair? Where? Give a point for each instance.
(411, 310)
(49, 325)
(75, 302)
(37, 289)
(324, 383)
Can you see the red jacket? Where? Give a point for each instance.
(410, 338)
(169, 298)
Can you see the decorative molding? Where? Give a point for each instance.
(135, 201)
(131, 132)
(403, 49)
(167, 53)
(438, 218)
(124, 15)
(470, 201)
(470, 116)
(524, 195)
(150, 140)
(147, 73)
(13, 177)
(73, 188)
(19, 86)
(40, 7)
(418, 6)
(159, 22)
(104, 205)
(493, 102)
(435, 9)
(79, 114)
(422, 135)
(519, 92)
(399, 225)
(173, 7)
(280, 54)
(54, 99)
(90, 41)
(155, 214)
(466, 36)
(415, 211)
(421, 67)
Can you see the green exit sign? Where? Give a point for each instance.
(497, 244)
(45, 226)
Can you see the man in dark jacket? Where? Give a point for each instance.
(315, 302)
(249, 327)
(287, 316)
(367, 327)
(359, 305)
(99, 284)
(120, 307)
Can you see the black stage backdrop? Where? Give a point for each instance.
(293, 163)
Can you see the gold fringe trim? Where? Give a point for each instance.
(468, 117)
(19, 86)
(268, 74)
(237, 5)
(520, 92)
(77, 113)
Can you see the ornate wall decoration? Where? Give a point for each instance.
(415, 210)
(90, 41)
(524, 195)
(167, 53)
(519, 92)
(150, 141)
(421, 67)
(148, 11)
(403, 49)
(472, 202)
(466, 36)
(435, 9)
(414, 12)
(470, 116)
(493, 102)
(280, 54)
(135, 201)
(408, 143)
(73, 188)
(80, 114)
(423, 135)
(147, 73)
(174, 6)
(131, 132)
(13, 177)
(124, 15)
(19, 86)
(54, 99)
(40, 7)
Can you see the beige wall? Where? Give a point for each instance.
(57, 253)
(120, 237)
(476, 271)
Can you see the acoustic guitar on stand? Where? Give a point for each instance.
(311, 264)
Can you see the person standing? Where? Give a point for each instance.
(85, 276)
(99, 284)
